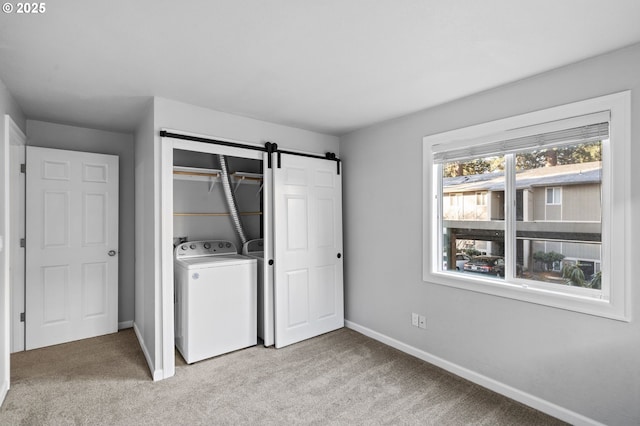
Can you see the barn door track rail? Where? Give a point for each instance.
(269, 147)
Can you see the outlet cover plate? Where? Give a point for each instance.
(422, 321)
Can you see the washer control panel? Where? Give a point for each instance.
(205, 248)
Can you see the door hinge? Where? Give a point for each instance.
(23, 168)
(23, 242)
(22, 317)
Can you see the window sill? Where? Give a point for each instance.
(521, 290)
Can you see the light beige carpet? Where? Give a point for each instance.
(338, 378)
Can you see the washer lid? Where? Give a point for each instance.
(214, 261)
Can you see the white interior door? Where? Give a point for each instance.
(308, 273)
(71, 246)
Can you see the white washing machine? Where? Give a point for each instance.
(255, 249)
(215, 299)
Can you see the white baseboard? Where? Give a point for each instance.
(155, 374)
(125, 324)
(3, 391)
(479, 379)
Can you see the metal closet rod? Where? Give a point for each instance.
(218, 214)
(269, 147)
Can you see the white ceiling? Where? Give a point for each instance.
(330, 66)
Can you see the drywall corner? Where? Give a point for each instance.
(155, 374)
(145, 278)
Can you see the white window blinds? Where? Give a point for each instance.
(583, 129)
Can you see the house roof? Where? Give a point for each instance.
(567, 174)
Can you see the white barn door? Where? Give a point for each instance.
(308, 273)
(71, 246)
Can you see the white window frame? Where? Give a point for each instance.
(614, 300)
(556, 195)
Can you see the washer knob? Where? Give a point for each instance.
(192, 246)
(207, 246)
(220, 245)
(228, 245)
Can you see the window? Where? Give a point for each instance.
(454, 200)
(554, 196)
(523, 242)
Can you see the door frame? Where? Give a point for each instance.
(165, 318)
(12, 135)
(18, 300)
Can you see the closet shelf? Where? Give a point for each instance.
(195, 173)
(213, 176)
(247, 178)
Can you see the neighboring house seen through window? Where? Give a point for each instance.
(533, 207)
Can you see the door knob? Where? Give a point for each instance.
(112, 253)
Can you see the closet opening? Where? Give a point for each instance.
(300, 266)
(200, 210)
(220, 303)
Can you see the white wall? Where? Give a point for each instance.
(180, 116)
(7, 106)
(585, 364)
(57, 136)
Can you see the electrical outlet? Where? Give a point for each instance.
(414, 319)
(422, 321)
